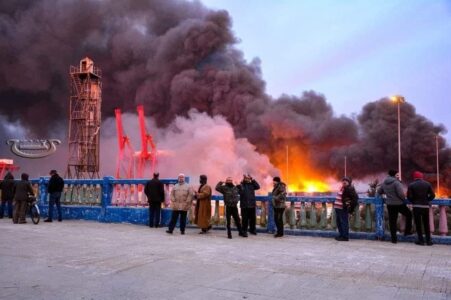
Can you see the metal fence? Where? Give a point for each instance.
(123, 200)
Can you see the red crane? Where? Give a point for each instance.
(145, 157)
(7, 165)
(124, 164)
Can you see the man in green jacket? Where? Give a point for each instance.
(279, 196)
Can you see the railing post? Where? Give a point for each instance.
(42, 191)
(380, 228)
(443, 225)
(271, 224)
(291, 215)
(107, 193)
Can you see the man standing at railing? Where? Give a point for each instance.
(279, 197)
(247, 189)
(345, 203)
(395, 200)
(55, 188)
(203, 205)
(154, 191)
(181, 201)
(231, 198)
(420, 193)
(7, 187)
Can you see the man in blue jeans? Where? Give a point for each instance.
(55, 188)
(344, 203)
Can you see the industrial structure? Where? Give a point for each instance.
(131, 164)
(7, 165)
(125, 166)
(146, 159)
(84, 120)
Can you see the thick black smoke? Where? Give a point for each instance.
(377, 149)
(172, 56)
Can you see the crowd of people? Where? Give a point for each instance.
(15, 195)
(419, 192)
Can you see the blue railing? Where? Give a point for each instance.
(123, 200)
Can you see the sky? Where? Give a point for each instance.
(353, 52)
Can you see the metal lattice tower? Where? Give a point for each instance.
(84, 120)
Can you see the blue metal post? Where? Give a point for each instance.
(271, 224)
(107, 194)
(380, 228)
(43, 191)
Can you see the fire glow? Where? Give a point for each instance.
(298, 172)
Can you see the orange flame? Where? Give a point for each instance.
(301, 176)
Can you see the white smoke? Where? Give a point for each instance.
(194, 145)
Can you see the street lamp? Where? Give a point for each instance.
(399, 99)
(438, 170)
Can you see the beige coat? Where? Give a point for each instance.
(181, 197)
(203, 207)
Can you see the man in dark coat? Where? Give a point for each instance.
(279, 197)
(247, 190)
(231, 198)
(345, 203)
(22, 191)
(7, 187)
(154, 191)
(55, 188)
(420, 193)
(395, 200)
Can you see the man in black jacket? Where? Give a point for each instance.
(7, 187)
(154, 191)
(420, 193)
(247, 189)
(231, 198)
(55, 188)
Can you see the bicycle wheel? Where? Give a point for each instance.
(35, 216)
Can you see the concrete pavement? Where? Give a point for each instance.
(89, 260)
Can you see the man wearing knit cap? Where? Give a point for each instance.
(395, 198)
(345, 203)
(420, 193)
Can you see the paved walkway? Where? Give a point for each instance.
(88, 260)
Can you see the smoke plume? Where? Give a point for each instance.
(174, 56)
(194, 145)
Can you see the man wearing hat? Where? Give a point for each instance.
(420, 193)
(279, 197)
(344, 204)
(395, 200)
(55, 188)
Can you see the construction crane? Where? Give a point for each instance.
(7, 165)
(145, 157)
(124, 164)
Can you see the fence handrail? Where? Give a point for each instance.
(171, 181)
